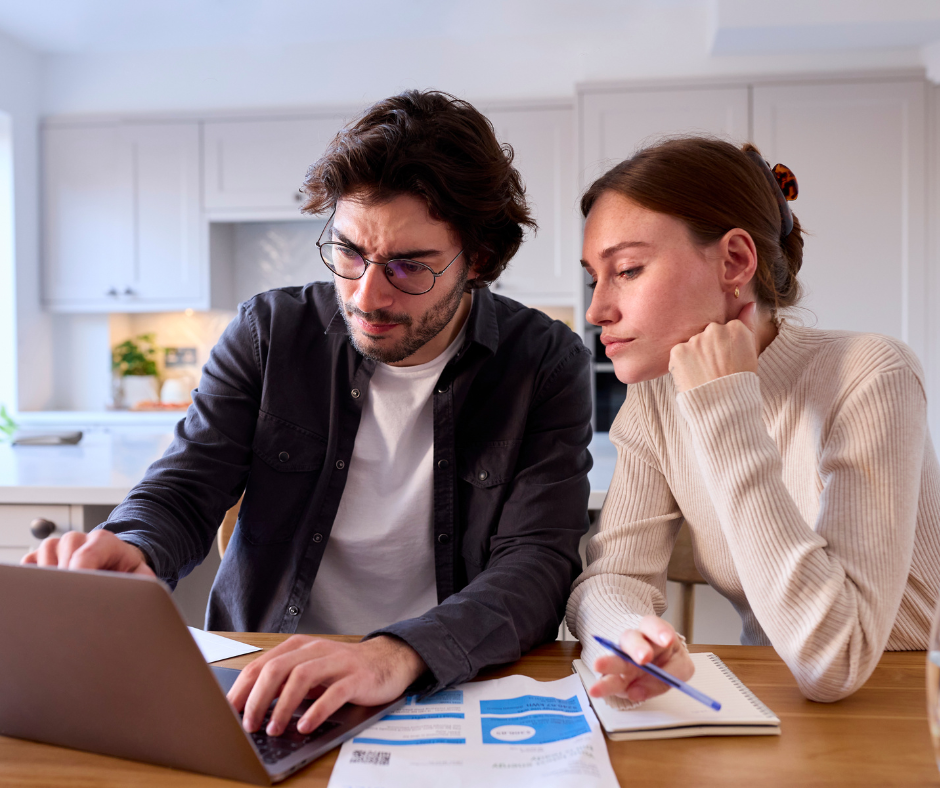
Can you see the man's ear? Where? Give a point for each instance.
(738, 259)
(472, 272)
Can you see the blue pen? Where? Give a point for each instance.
(661, 674)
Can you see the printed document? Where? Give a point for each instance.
(503, 733)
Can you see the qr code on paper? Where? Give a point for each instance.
(370, 757)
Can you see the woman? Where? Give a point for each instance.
(799, 458)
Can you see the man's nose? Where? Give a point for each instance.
(373, 290)
(604, 308)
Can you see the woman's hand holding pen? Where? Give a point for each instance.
(653, 641)
(717, 351)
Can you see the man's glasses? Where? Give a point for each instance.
(409, 276)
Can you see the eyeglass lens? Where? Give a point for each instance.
(407, 276)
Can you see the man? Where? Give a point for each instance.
(412, 448)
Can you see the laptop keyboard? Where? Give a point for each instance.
(275, 748)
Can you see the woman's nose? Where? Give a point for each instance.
(603, 307)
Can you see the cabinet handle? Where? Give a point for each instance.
(129, 292)
(40, 528)
(112, 292)
(298, 197)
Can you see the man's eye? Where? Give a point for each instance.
(592, 284)
(406, 267)
(346, 252)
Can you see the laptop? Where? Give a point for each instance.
(101, 661)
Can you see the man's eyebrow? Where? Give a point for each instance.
(409, 254)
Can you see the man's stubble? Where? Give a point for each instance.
(418, 331)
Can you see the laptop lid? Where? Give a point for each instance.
(101, 661)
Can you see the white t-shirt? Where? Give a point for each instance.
(378, 566)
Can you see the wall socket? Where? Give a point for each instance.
(180, 357)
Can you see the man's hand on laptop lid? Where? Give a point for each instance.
(368, 673)
(96, 550)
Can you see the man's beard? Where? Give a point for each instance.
(418, 331)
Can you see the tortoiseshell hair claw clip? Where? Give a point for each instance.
(785, 188)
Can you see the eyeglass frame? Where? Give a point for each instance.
(368, 262)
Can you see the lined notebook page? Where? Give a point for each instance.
(738, 705)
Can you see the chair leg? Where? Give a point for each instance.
(688, 611)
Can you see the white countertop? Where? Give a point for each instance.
(109, 461)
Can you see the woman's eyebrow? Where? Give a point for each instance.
(612, 250)
(410, 254)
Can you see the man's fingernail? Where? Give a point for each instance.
(272, 730)
(303, 727)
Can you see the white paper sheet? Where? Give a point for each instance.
(216, 647)
(504, 733)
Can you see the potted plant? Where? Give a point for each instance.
(135, 369)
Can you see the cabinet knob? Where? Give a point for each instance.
(112, 292)
(298, 197)
(129, 291)
(40, 528)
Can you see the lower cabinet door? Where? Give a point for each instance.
(16, 539)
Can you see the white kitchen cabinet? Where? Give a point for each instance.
(858, 151)
(16, 540)
(544, 270)
(121, 218)
(259, 165)
(615, 123)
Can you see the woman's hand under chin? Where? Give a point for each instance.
(653, 641)
(718, 351)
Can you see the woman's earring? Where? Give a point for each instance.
(736, 292)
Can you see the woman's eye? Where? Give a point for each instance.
(631, 273)
(592, 284)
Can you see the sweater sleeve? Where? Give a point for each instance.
(627, 559)
(826, 593)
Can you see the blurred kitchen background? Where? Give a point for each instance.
(151, 152)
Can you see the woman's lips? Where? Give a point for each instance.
(613, 345)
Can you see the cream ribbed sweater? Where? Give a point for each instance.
(812, 493)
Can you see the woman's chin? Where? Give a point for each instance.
(629, 371)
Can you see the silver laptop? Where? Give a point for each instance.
(103, 662)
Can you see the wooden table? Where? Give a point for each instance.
(878, 737)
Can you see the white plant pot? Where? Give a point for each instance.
(135, 389)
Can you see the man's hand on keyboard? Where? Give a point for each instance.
(369, 673)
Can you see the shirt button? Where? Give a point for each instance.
(318, 538)
(443, 538)
(441, 389)
(482, 476)
(340, 464)
(356, 393)
(294, 611)
(283, 456)
(442, 464)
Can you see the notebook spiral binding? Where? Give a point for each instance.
(751, 697)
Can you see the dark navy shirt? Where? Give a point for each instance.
(276, 415)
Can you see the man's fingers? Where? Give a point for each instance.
(238, 694)
(333, 698)
(69, 544)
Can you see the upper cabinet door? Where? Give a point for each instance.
(167, 266)
(544, 270)
(258, 165)
(615, 124)
(121, 219)
(858, 152)
(88, 215)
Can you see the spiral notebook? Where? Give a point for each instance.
(675, 715)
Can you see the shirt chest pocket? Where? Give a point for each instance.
(486, 471)
(285, 466)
